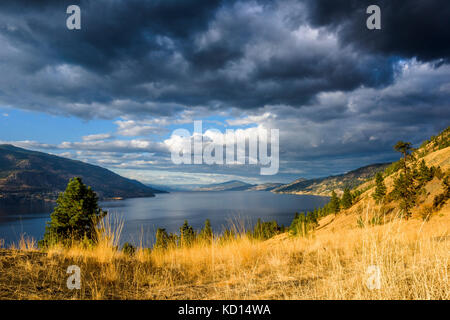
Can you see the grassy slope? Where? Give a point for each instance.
(413, 258)
(348, 218)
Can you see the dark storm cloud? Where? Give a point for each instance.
(413, 28)
(339, 93)
(195, 53)
(212, 53)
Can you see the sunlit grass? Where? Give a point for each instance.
(413, 257)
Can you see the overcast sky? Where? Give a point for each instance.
(113, 92)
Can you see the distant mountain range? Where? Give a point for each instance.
(325, 186)
(236, 185)
(233, 185)
(31, 175)
(265, 187)
(318, 186)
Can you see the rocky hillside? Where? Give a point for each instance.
(324, 186)
(31, 175)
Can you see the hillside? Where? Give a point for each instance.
(236, 185)
(324, 186)
(233, 185)
(435, 153)
(31, 175)
(265, 187)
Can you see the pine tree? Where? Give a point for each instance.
(404, 148)
(187, 234)
(334, 205)
(162, 239)
(404, 190)
(404, 185)
(425, 173)
(346, 199)
(75, 217)
(206, 233)
(380, 190)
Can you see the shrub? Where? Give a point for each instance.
(265, 230)
(128, 249)
(426, 212)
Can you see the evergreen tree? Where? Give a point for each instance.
(206, 233)
(76, 215)
(346, 199)
(228, 235)
(425, 174)
(404, 148)
(265, 230)
(162, 239)
(380, 190)
(404, 188)
(334, 205)
(187, 234)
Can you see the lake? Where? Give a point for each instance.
(142, 216)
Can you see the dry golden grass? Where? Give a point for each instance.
(413, 257)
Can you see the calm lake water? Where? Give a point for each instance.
(142, 216)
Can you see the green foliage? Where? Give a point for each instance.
(380, 189)
(404, 185)
(75, 217)
(405, 191)
(265, 230)
(334, 205)
(356, 195)
(410, 184)
(425, 174)
(304, 223)
(162, 239)
(128, 249)
(228, 235)
(346, 199)
(206, 233)
(187, 234)
(403, 147)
